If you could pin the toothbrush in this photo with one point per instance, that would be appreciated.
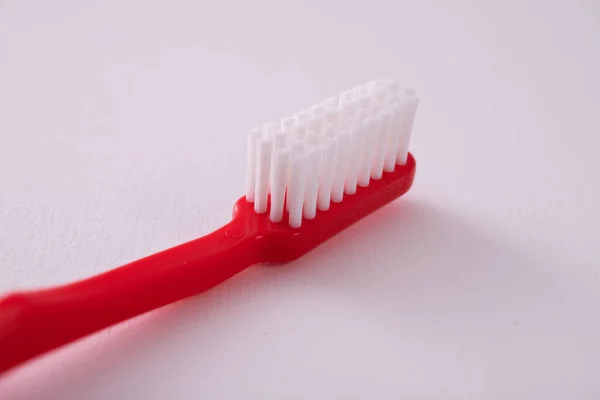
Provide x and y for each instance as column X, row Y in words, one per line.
column 309, row 176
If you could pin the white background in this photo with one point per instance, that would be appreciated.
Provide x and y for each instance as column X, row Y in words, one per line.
column 122, row 132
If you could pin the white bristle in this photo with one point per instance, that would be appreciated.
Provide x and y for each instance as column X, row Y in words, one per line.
column 329, row 150
column 315, row 124
column 371, row 85
column 326, row 174
column 263, row 167
column 364, row 102
column 332, row 117
column 271, row 128
column 279, row 177
column 302, row 117
column 378, row 91
column 299, row 132
column 296, row 150
column 381, row 143
column 295, row 193
column 312, row 182
column 364, row 172
column 357, row 139
column 279, row 140
column 318, row 110
column 379, row 96
column 330, row 131
column 409, row 110
column 253, row 138
column 362, row 115
column 331, row 103
column 341, row 165
column 395, row 99
column 393, row 93
column 395, row 129
column 348, row 110
column 313, row 139
column 287, row 123
column 351, row 123
column 346, row 97
column 359, row 91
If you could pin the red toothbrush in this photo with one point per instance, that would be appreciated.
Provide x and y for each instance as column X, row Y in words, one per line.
column 309, row 177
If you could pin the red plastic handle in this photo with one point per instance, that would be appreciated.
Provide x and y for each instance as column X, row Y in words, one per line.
column 32, row 323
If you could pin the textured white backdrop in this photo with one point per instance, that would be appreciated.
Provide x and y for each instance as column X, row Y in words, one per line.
column 122, row 132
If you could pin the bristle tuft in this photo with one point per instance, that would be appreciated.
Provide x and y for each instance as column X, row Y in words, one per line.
column 279, row 175
column 320, row 154
column 253, row 138
column 263, row 167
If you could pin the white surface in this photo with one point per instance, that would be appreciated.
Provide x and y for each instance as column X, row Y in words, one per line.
column 123, row 131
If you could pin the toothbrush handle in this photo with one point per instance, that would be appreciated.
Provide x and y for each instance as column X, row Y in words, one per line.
column 34, row 322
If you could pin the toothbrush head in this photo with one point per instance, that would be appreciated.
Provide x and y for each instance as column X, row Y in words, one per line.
column 313, row 175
